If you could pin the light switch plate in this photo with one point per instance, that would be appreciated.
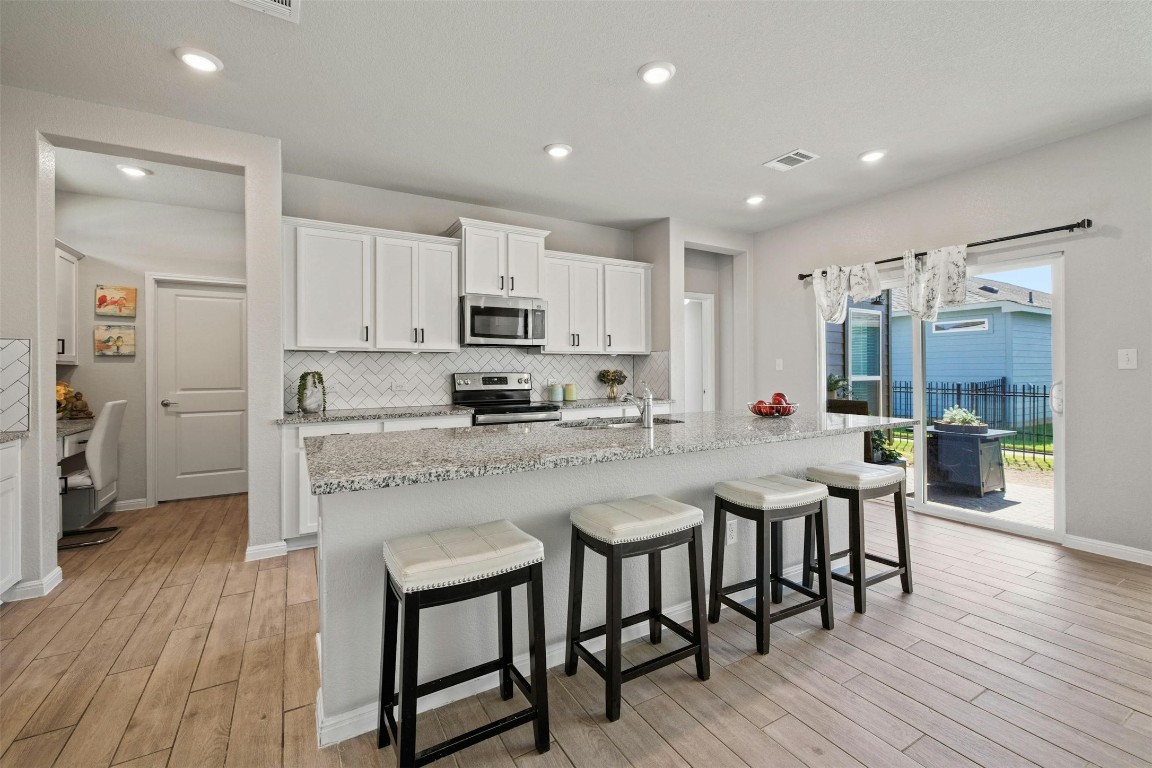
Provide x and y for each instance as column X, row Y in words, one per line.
column 779, row 363
column 1126, row 359
column 399, row 386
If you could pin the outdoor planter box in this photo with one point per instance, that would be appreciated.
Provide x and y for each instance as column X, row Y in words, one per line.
column 965, row 429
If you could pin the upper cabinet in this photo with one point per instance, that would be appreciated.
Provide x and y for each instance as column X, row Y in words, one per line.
column 597, row 305
column 500, row 260
column 358, row 288
column 67, row 267
column 627, row 309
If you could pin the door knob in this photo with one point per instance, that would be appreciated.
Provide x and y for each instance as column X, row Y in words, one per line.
column 167, row 403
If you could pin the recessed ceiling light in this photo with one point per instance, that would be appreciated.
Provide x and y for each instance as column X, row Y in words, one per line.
column 134, row 171
column 755, row 200
column 657, row 72
column 873, row 155
column 558, row 150
column 201, row 61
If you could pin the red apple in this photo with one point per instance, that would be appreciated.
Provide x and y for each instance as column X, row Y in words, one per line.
column 779, row 399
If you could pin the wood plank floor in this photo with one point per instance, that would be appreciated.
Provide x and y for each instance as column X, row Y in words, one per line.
column 164, row 648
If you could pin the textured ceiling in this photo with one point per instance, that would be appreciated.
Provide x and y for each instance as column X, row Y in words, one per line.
column 455, row 100
column 90, row 173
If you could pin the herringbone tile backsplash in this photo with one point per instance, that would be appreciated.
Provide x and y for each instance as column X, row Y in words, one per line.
column 367, row 379
column 15, row 363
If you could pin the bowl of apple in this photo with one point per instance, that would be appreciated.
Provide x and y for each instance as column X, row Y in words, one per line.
column 774, row 408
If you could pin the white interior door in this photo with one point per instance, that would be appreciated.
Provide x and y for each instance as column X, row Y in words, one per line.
column 699, row 353
column 201, row 373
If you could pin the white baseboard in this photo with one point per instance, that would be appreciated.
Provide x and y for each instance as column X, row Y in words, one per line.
column 265, row 551
column 347, row 725
column 309, row 541
column 26, row 590
column 130, row 504
column 1108, row 549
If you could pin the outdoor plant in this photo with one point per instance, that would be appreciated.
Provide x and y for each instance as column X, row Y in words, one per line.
column 309, row 383
column 884, row 447
column 958, row 415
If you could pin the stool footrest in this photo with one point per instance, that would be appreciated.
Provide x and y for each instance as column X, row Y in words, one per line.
column 737, row 606
column 456, row 678
column 475, row 736
column 639, row 670
column 845, row 576
column 738, row 587
column 882, row 560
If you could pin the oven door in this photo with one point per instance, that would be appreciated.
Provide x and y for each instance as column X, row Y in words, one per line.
column 500, row 321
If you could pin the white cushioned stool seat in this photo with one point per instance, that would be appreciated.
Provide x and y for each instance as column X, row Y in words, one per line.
column 856, row 475
column 458, row 555
column 635, row 519
column 771, row 492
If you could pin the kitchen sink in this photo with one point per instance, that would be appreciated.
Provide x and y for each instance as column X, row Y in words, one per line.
column 617, row 422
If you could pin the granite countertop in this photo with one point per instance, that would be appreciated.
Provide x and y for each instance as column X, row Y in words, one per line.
column 595, row 402
column 342, row 463
column 66, row 427
column 8, row 437
column 373, row 414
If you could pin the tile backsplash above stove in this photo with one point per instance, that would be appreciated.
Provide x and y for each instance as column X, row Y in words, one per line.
column 387, row 379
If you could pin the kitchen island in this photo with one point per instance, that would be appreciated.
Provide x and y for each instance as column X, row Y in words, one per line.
column 373, row 487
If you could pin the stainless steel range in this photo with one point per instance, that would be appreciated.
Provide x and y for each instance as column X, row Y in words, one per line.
column 500, row 398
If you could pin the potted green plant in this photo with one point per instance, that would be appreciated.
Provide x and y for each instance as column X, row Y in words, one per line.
column 957, row 419
column 311, row 395
column 883, row 450
column 613, row 379
column 835, row 385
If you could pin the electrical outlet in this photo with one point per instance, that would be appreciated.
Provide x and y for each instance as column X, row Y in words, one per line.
column 779, row 363
column 731, row 538
column 399, row 386
column 1126, row 359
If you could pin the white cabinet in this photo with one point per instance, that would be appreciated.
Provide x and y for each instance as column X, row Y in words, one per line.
column 626, row 310
column 573, row 290
column 333, row 289
column 359, row 288
column 300, row 509
column 500, row 260
column 9, row 514
column 66, row 277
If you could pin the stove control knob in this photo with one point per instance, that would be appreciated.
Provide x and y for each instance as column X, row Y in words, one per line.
column 467, row 381
column 459, row 382
column 521, row 381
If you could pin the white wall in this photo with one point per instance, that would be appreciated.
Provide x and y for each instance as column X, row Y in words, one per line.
column 121, row 240
column 344, row 203
column 1106, row 176
column 33, row 123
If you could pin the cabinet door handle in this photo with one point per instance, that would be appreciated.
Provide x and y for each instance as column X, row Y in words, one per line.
column 577, row 339
column 571, row 339
column 501, row 282
column 609, row 339
column 415, row 336
column 512, row 283
column 421, row 335
column 60, row 346
column 365, row 333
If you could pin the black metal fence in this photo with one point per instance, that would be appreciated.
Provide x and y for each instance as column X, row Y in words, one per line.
column 1020, row 407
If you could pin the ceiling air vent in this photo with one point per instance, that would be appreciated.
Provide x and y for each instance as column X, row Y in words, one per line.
column 289, row 10
column 786, row 162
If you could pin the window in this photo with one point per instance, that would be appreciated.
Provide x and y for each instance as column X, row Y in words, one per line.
column 960, row 326
column 865, row 357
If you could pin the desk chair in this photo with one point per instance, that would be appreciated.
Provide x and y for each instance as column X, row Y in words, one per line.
column 95, row 485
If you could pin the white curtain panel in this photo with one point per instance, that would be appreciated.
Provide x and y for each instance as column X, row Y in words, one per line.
column 833, row 285
column 937, row 278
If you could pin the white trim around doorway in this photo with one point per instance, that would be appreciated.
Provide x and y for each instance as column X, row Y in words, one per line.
column 152, row 283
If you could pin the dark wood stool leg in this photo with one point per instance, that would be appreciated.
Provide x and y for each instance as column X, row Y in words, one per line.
column 388, row 664
column 806, row 566
column 655, row 597
column 504, row 607
column 763, row 580
column 719, row 533
column 409, row 659
column 613, row 628
column 904, row 553
column 777, row 558
column 696, row 579
column 822, row 551
column 575, row 596
column 856, row 555
column 538, row 656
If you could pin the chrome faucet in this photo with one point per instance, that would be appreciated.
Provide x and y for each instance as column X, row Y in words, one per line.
column 644, row 406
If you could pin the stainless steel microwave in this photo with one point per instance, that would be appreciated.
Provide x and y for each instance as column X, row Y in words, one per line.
column 502, row 321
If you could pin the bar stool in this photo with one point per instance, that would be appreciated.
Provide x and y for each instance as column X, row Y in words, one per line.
column 858, row 481
column 769, row 501
column 644, row 525
column 450, row 566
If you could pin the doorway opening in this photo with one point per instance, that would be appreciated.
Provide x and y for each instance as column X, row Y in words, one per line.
column 699, row 352
column 709, row 339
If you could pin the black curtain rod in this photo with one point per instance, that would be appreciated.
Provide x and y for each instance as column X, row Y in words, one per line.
column 1082, row 224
